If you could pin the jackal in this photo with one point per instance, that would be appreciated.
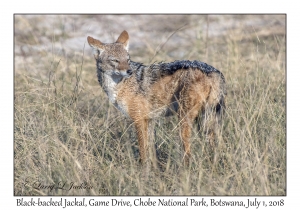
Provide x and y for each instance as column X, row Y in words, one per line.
column 145, row 92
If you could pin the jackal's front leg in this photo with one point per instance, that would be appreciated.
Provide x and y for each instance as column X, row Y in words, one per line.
column 141, row 127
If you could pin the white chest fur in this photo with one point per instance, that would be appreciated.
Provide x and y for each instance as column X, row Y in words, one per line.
column 111, row 88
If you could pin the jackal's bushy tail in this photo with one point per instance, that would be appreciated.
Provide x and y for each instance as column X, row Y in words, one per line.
column 221, row 93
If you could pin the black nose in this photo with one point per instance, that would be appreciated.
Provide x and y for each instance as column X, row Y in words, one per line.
column 129, row 72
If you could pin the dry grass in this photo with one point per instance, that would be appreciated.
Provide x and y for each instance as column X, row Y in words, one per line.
column 67, row 131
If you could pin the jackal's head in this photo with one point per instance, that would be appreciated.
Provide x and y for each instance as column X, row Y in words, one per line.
column 113, row 58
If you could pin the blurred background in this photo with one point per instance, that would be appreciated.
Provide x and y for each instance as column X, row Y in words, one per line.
column 152, row 37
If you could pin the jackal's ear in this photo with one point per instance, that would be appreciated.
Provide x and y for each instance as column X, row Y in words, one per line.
column 124, row 39
column 94, row 42
column 96, row 45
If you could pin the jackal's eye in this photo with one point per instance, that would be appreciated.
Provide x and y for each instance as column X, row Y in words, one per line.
column 114, row 60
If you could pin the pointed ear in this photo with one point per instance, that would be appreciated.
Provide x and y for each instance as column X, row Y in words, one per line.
column 124, row 39
column 94, row 42
column 96, row 45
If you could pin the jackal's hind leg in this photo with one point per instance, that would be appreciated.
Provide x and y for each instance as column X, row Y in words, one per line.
column 187, row 117
column 211, row 125
column 185, row 137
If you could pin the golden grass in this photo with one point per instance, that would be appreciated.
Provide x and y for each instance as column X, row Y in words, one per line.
column 65, row 130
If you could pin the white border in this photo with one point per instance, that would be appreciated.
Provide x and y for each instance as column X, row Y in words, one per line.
column 154, row 6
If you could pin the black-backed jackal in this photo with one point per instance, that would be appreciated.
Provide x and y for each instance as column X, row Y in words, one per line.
column 145, row 92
